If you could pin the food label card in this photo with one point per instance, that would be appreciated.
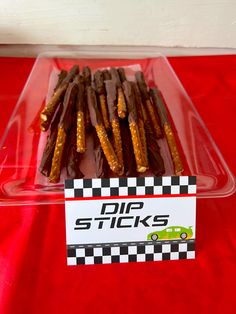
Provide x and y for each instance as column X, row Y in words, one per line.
column 121, row 220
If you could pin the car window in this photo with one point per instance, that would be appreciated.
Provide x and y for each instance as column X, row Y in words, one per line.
column 169, row 230
column 177, row 229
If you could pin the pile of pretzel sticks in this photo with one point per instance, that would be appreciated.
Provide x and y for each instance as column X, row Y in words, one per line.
column 125, row 118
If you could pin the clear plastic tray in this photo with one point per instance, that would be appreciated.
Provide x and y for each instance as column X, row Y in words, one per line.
column 22, row 143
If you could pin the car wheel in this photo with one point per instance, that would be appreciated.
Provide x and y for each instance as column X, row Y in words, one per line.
column 154, row 237
column 183, row 235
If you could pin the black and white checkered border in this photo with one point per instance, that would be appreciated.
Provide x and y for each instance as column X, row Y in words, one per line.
column 130, row 186
column 172, row 250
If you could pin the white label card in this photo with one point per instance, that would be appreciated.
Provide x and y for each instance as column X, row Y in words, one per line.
column 130, row 219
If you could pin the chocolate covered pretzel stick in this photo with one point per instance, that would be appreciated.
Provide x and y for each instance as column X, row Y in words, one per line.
column 106, row 75
column 35, row 124
column 148, row 105
column 133, row 126
column 87, row 82
column 102, row 167
column 80, row 115
column 155, row 160
column 114, row 120
column 127, row 147
column 140, row 121
column 61, row 76
column 157, row 100
column 48, row 112
column 73, row 157
column 63, row 129
column 121, row 105
column 96, row 121
column 100, row 89
column 87, row 76
column 46, row 161
column 153, row 150
column 122, row 76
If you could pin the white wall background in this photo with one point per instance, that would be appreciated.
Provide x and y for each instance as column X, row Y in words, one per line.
column 173, row 23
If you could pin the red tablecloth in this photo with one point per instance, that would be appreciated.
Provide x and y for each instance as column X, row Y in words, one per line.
column 34, row 277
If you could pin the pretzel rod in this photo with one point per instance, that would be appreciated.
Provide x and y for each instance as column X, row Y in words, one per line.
column 140, row 121
column 108, row 150
column 155, row 160
column 103, row 106
column 57, row 156
column 140, row 105
column 127, row 148
column 48, row 112
column 153, row 150
column 80, row 132
column 173, row 149
column 121, row 72
column 121, row 105
column 63, row 129
column 106, row 75
column 102, row 167
column 137, row 145
column 157, row 100
column 134, row 129
column 35, row 124
column 61, row 76
column 117, row 142
column 114, row 120
column 87, row 82
column 80, row 121
column 73, row 161
column 46, row 161
column 100, row 89
column 99, row 82
column 73, row 157
column 96, row 121
column 153, row 117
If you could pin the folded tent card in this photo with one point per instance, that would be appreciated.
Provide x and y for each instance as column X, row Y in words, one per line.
column 139, row 219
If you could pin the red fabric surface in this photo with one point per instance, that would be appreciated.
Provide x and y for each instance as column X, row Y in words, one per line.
column 34, row 277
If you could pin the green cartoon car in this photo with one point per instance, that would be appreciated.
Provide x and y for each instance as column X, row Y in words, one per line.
column 174, row 232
